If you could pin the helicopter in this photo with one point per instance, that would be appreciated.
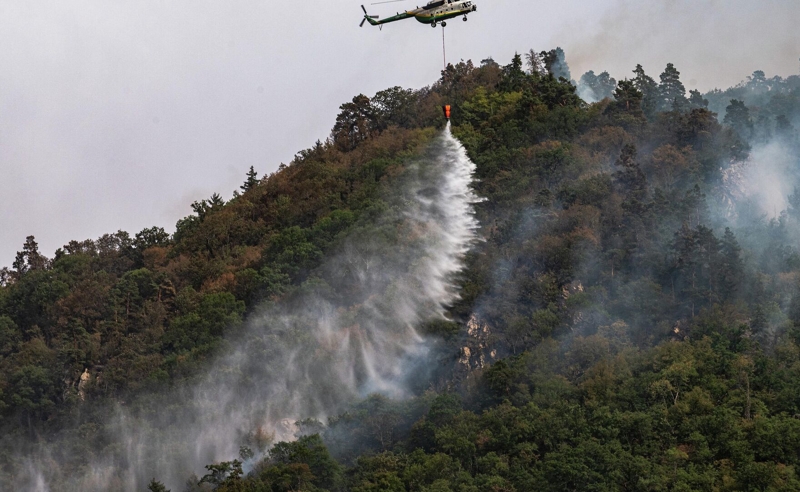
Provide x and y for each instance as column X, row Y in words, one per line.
column 434, row 13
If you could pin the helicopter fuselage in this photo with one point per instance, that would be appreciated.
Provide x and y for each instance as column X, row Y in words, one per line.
column 443, row 10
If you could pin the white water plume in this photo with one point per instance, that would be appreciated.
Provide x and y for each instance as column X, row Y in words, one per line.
column 349, row 332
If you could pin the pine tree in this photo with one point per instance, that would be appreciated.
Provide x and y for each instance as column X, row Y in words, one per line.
column 628, row 97
column 630, row 179
column 605, row 85
column 513, row 74
column 535, row 63
column 355, row 123
column 156, row 486
column 632, row 184
column 672, row 93
column 29, row 258
column 696, row 100
column 737, row 115
column 708, row 257
column 683, row 251
column 731, row 267
column 204, row 207
column 251, row 181
column 757, row 83
column 759, row 323
column 649, row 89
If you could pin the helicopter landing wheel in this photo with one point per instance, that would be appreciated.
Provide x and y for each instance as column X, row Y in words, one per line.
column 433, row 24
column 465, row 18
column 444, row 24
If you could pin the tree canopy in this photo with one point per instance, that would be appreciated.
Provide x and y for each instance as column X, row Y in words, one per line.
column 627, row 322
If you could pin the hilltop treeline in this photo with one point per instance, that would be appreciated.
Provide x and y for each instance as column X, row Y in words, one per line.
column 640, row 327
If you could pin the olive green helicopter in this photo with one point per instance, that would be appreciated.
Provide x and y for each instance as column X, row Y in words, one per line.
column 434, row 13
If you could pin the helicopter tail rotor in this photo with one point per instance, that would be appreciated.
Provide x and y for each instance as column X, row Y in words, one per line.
column 367, row 17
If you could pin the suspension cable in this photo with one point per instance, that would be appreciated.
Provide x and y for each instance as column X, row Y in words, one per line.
column 444, row 51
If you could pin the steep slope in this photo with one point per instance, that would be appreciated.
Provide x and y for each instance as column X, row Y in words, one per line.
column 625, row 323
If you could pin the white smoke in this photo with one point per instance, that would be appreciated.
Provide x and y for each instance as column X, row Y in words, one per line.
column 765, row 180
column 350, row 333
column 587, row 93
column 770, row 177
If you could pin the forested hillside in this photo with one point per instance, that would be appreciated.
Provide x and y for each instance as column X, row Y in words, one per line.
column 630, row 319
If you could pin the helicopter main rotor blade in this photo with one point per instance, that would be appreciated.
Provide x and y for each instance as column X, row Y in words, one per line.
column 389, row 1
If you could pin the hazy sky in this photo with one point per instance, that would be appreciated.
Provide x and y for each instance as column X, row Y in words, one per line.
column 118, row 114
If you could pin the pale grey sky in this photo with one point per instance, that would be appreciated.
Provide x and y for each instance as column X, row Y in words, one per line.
column 118, row 114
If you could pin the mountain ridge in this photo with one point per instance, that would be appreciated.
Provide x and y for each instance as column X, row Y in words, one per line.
column 632, row 333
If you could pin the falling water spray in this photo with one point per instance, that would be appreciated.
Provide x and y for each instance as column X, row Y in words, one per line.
column 349, row 332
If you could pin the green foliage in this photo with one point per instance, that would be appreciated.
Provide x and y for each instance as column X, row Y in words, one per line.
column 737, row 115
column 649, row 89
column 10, row 336
column 204, row 324
column 156, row 486
column 225, row 476
column 672, row 93
column 355, row 123
column 442, row 329
column 312, row 452
column 614, row 332
column 251, row 181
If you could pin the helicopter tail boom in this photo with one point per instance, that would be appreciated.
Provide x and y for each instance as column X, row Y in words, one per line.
column 368, row 18
column 372, row 19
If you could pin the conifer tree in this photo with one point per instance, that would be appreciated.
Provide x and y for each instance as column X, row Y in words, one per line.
column 759, row 322
column 513, row 75
column 757, row 83
column 203, row 207
column 737, row 115
column 672, row 93
column 251, row 181
column 355, row 123
column 628, row 98
column 731, row 268
column 156, row 486
column 535, row 63
column 29, row 258
column 696, row 100
column 631, row 179
column 649, row 89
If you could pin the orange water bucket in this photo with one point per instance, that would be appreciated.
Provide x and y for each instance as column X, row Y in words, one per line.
column 446, row 110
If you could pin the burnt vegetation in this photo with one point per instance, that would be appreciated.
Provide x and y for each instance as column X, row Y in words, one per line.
column 640, row 332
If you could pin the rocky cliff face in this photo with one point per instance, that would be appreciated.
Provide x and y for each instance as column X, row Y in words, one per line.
column 477, row 350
